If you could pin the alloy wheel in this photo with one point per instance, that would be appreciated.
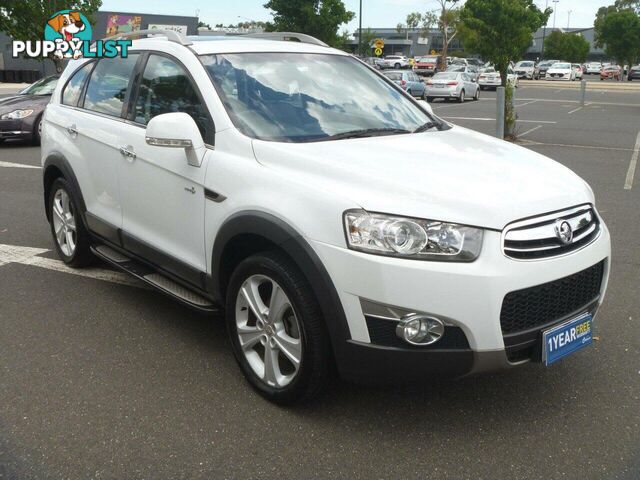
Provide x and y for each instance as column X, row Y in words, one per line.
column 268, row 331
column 64, row 222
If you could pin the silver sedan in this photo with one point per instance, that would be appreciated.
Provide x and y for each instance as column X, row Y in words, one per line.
column 452, row 85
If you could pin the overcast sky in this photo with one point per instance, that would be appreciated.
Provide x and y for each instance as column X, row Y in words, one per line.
column 375, row 13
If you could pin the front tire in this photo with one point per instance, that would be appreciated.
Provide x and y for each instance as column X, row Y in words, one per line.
column 37, row 131
column 276, row 329
column 70, row 237
column 476, row 97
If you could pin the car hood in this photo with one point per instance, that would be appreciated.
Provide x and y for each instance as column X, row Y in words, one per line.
column 455, row 175
column 23, row 102
column 559, row 70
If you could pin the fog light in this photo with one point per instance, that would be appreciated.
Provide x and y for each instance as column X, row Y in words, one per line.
column 420, row 329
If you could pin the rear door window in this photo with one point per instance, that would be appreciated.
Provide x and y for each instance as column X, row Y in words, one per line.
column 108, row 85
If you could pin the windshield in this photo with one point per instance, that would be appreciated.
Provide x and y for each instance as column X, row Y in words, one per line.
column 525, row 64
column 295, row 97
column 445, row 76
column 395, row 76
column 456, row 68
column 561, row 66
column 428, row 59
column 45, row 86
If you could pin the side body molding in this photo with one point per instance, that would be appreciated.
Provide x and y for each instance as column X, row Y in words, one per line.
column 56, row 161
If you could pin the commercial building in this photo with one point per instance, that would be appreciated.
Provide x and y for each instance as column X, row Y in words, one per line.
column 535, row 51
column 107, row 24
column 411, row 42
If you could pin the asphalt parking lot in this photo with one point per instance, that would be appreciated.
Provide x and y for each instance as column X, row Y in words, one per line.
column 101, row 378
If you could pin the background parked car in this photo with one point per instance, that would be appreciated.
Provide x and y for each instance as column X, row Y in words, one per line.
column 561, row 71
column 541, row 69
column 21, row 115
column 395, row 62
column 427, row 66
column 472, row 71
column 634, row 73
column 612, row 71
column 525, row 69
column 577, row 68
column 492, row 79
column 449, row 85
column 593, row 68
column 409, row 81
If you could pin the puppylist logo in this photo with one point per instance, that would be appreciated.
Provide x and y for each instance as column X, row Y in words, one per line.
column 67, row 34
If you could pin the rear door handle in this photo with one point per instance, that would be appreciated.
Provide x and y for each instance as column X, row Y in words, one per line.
column 72, row 130
column 127, row 151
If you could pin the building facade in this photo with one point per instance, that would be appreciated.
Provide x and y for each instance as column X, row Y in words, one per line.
column 409, row 42
column 535, row 50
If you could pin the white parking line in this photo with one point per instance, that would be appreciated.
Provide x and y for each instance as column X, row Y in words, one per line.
column 527, row 103
column 628, row 183
column 531, row 143
column 479, row 119
column 530, row 131
column 575, row 110
column 17, row 165
column 29, row 256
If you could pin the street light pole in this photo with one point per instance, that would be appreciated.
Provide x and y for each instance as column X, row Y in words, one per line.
column 569, row 18
column 544, row 32
column 555, row 9
column 360, row 30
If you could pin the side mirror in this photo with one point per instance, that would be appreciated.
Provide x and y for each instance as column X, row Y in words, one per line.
column 426, row 106
column 177, row 130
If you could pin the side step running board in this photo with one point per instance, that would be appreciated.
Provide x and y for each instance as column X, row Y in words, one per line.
column 154, row 278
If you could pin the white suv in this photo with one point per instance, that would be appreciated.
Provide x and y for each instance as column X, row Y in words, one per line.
column 337, row 227
column 396, row 62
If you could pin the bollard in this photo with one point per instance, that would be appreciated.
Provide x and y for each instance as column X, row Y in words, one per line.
column 583, row 92
column 500, row 113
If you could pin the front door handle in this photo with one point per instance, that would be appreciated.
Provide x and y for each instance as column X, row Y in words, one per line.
column 72, row 130
column 127, row 151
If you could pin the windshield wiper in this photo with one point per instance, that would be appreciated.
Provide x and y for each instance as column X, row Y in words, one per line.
column 367, row 132
column 425, row 127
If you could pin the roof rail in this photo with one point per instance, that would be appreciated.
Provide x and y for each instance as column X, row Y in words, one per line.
column 171, row 35
column 287, row 36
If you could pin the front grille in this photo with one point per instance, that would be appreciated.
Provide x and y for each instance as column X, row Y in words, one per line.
column 539, row 237
column 543, row 304
column 382, row 331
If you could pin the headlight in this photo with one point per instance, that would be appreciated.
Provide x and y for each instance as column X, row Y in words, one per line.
column 411, row 238
column 16, row 115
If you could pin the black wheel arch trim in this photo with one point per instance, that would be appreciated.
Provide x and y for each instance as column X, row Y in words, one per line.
column 298, row 249
column 58, row 161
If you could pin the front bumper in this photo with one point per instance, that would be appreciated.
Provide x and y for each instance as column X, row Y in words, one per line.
column 522, row 74
column 467, row 296
column 558, row 78
column 15, row 129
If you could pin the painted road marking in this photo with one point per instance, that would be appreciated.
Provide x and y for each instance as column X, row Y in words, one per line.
column 527, row 103
column 479, row 119
column 30, row 256
column 530, row 131
column 17, row 165
column 628, row 183
column 531, row 143
column 575, row 110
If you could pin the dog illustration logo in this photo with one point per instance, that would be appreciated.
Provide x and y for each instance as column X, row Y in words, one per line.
column 69, row 26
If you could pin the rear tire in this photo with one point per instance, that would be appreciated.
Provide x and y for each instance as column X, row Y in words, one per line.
column 476, row 97
column 272, row 340
column 396, row 66
column 461, row 97
column 430, row 99
column 70, row 237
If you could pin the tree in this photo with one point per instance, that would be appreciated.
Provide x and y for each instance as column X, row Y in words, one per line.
column 368, row 36
column 204, row 25
column 617, row 28
column 26, row 19
column 412, row 22
column 571, row 47
column 447, row 19
column 319, row 18
column 500, row 30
